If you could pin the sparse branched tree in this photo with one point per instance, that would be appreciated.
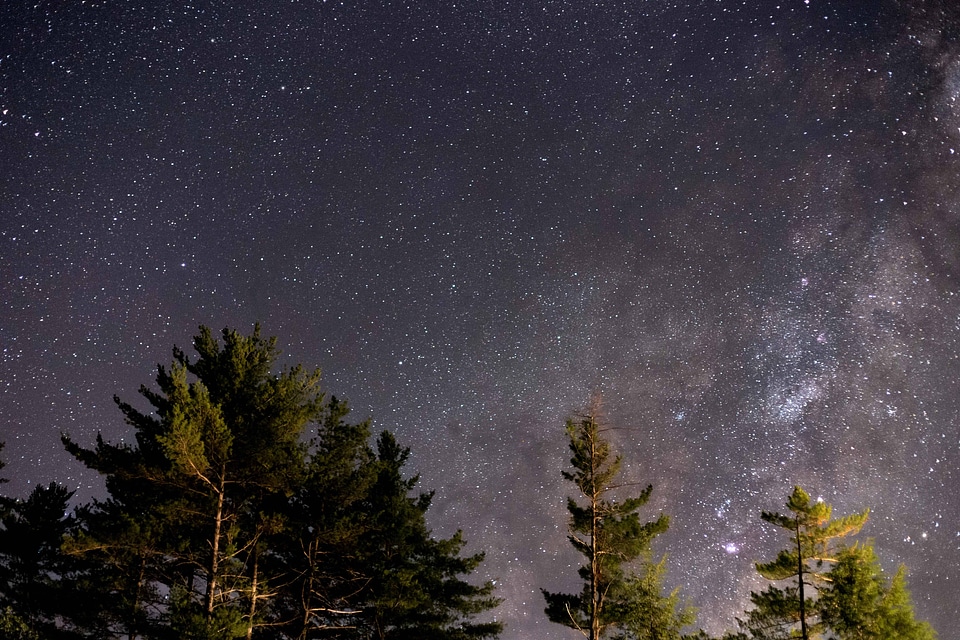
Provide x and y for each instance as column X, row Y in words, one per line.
column 837, row 589
column 622, row 587
column 805, row 563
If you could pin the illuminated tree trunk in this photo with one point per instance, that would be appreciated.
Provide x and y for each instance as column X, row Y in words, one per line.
column 594, row 546
column 215, row 553
column 803, row 603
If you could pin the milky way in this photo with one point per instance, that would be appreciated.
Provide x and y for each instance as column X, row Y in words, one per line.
column 739, row 221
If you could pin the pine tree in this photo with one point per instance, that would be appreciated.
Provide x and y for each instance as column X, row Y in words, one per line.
column 806, row 562
column 12, row 626
column 862, row 603
column 621, row 595
column 362, row 562
column 326, row 524
column 212, row 461
column 897, row 619
column 838, row 590
column 120, row 558
column 35, row 576
column 415, row 589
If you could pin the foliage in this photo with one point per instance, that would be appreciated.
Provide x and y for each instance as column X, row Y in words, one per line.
column 362, row 560
column 227, row 519
column 621, row 595
column 248, row 506
column 33, row 571
column 414, row 589
column 862, row 603
column 838, row 590
column 212, row 457
column 13, row 627
column 779, row 612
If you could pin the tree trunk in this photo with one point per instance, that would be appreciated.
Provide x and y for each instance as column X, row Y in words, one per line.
column 803, row 613
column 132, row 626
column 307, row 597
column 253, row 591
column 215, row 550
column 594, row 546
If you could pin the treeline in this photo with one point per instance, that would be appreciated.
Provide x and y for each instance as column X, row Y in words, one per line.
column 245, row 506
column 823, row 584
column 248, row 506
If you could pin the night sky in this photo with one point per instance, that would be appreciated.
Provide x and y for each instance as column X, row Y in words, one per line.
column 738, row 221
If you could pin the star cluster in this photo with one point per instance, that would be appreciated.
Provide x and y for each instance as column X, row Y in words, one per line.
column 739, row 221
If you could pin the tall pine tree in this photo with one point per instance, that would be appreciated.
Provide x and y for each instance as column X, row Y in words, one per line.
column 622, row 587
column 415, row 590
column 814, row 538
column 326, row 524
column 220, row 450
column 836, row 589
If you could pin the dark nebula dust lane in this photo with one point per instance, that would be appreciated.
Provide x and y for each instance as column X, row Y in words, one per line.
column 739, row 221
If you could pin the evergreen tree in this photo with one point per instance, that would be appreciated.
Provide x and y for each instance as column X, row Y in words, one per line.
column 862, row 603
column 648, row 615
column 224, row 522
column 897, row 619
column 363, row 562
column 35, row 576
column 326, row 524
column 415, row 590
column 778, row 612
column 212, row 462
column 621, row 594
column 12, row 627
column 120, row 558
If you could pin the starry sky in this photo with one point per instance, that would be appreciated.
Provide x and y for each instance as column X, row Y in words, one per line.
column 738, row 221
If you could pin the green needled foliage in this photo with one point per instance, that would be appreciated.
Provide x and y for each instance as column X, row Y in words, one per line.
column 191, row 501
column 319, row 549
column 622, row 592
column 228, row 520
column 362, row 561
column 836, row 590
column 415, row 590
column 34, row 574
column 793, row 611
column 13, row 627
column 863, row 604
